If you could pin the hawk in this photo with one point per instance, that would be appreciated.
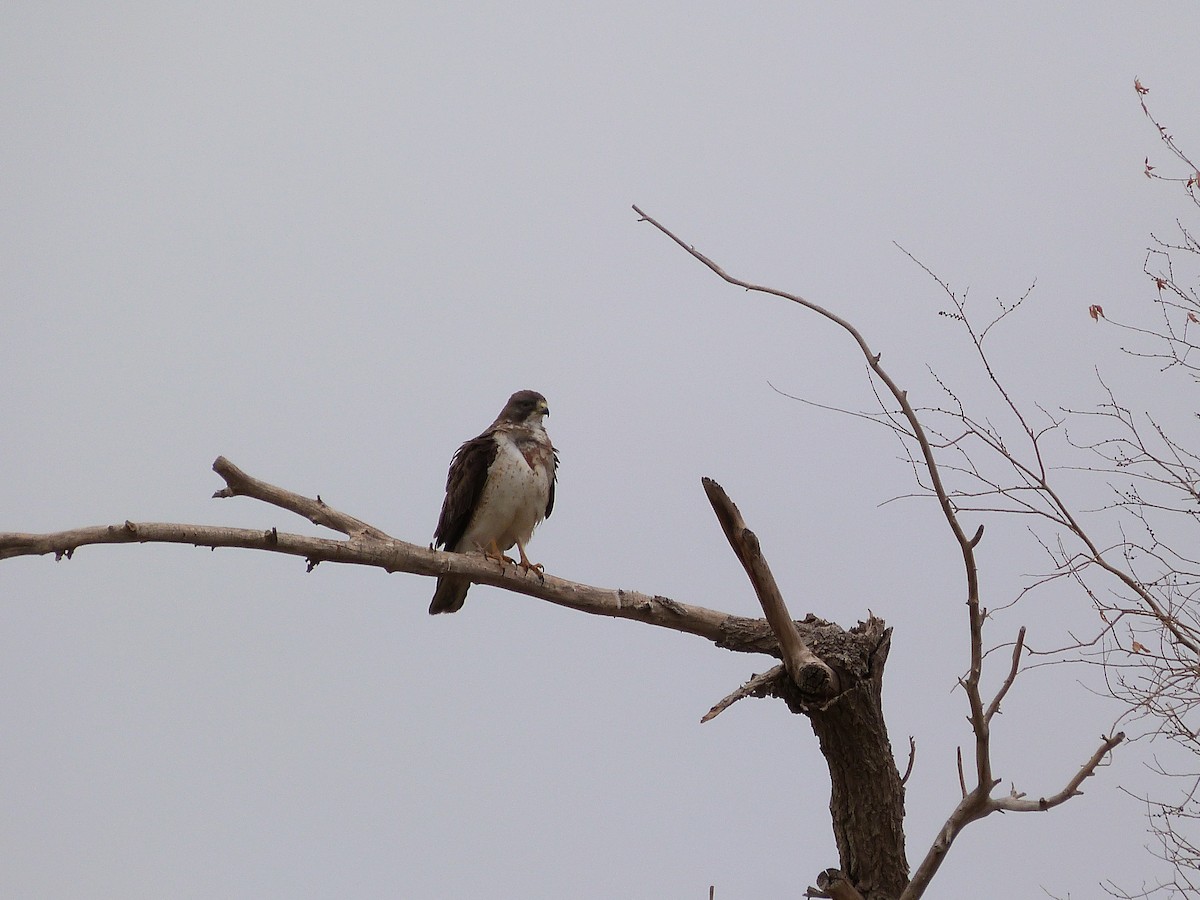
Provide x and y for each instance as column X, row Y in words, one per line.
column 500, row 486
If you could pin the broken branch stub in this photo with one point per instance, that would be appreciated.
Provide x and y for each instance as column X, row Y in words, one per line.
column 810, row 674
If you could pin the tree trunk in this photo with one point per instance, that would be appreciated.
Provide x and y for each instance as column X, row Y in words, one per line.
column 867, row 797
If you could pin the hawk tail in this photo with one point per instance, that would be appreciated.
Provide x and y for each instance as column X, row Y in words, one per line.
column 450, row 595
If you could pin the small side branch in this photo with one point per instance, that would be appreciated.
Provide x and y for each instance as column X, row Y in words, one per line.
column 758, row 686
column 1016, row 802
column 806, row 669
column 239, row 484
column 994, row 706
column 912, row 759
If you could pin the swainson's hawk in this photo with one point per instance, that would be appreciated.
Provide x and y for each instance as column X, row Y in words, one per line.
column 500, row 486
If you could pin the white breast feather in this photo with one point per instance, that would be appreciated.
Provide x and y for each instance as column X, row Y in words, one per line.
column 513, row 501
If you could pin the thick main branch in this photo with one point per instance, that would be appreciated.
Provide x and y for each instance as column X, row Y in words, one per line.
column 370, row 546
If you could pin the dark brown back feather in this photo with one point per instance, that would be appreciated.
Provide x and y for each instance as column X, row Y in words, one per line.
column 464, row 487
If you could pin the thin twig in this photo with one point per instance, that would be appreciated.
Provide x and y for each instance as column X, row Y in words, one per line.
column 994, row 707
column 912, row 758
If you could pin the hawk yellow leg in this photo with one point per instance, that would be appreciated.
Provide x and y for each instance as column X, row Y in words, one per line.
column 493, row 552
column 526, row 565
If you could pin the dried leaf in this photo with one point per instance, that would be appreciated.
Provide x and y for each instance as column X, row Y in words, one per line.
column 1192, row 318
column 1096, row 312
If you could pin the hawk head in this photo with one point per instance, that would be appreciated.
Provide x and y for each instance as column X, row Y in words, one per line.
column 524, row 408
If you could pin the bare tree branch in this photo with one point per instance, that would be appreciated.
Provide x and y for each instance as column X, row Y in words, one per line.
column 912, row 758
column 978, row 803
column 757, row 686
column 239, row 484
column 370, row 546
column 807, row 670
column 1015, row 802
column 994, row 706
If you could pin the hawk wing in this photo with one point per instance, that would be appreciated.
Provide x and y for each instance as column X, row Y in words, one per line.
column 464, row 487
column 553, row 479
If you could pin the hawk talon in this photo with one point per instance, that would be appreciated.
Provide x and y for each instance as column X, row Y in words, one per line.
column 527, row 567
column 494, row 553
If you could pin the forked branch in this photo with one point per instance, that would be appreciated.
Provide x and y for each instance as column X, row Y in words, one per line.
column 239, row 484
column 367, row 545
column 979, row 803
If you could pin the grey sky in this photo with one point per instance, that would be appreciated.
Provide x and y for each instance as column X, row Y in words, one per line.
column 328, row 245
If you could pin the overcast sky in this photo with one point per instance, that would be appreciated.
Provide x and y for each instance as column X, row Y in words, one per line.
column 329, row 244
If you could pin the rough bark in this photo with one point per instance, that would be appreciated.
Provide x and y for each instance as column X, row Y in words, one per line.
column 867, row 797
